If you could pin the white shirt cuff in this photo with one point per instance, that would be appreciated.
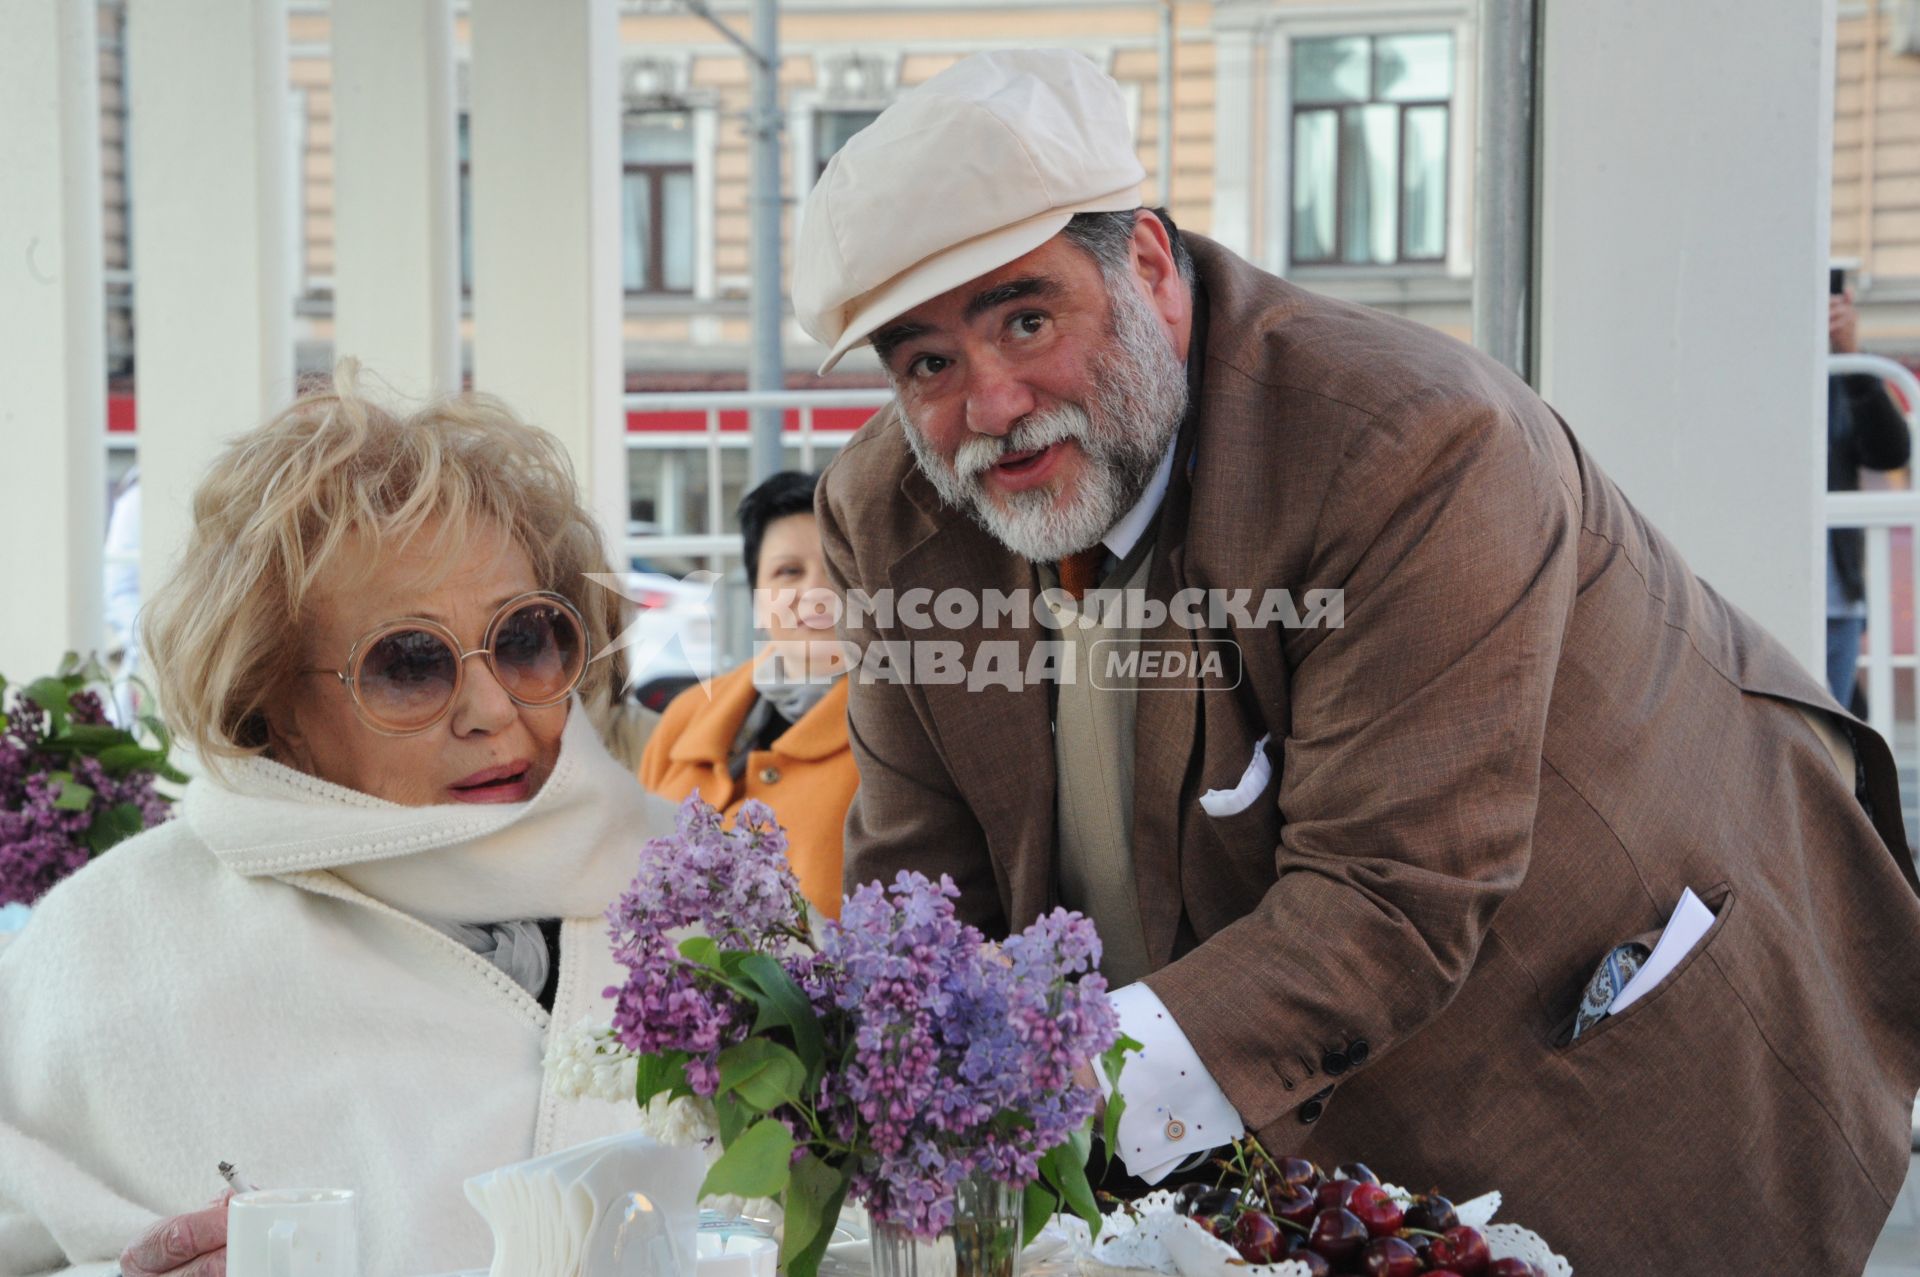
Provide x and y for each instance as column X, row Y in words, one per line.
column 1175, row 1111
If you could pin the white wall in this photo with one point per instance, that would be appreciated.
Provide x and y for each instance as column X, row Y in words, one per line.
column 1685, row 163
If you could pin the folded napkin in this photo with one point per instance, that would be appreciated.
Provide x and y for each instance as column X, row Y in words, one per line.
column 614, row 1207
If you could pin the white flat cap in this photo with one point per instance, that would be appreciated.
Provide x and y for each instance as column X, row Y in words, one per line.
column 979, row 166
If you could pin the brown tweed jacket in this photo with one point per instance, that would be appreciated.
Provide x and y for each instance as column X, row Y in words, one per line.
column 1535, row 727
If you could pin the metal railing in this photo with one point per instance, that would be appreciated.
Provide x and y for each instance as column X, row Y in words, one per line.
column 1879, row 515
column 715, row 547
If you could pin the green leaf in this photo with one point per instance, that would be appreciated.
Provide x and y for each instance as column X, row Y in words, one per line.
column 73, row 795
column 1112, row 1061
column 116, row 824
column 663, row 1072
column 1037, row 1207
column 91, row 738
column 52, row 695
column 782, row 1002
column 815, row 1194
column 762, row 1073
column 755, row 1165
column 1065, row 1168
column 702, row 951
column 121, row 759
column 732, row 1116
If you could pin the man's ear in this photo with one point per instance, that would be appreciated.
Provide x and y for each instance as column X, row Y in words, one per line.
column 1159, row 275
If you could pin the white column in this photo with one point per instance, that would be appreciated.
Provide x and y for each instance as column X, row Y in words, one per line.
column 1235, row 166
column 396, row 192
column 53, row 380
column 544, row 153
column 1683, row 248
column 213, row 314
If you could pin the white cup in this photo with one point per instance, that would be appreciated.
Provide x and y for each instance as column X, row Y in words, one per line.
column 293, row 1232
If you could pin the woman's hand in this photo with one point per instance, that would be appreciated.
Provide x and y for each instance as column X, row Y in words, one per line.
column 190, row 1245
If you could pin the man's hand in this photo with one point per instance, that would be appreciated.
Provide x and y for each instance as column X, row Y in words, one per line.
column 1843, row 324
column 190, row 1245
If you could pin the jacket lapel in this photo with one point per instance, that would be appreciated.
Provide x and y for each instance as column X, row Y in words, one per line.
column 1163, row 731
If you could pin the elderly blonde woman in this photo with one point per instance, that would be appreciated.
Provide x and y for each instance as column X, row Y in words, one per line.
column 342, row 963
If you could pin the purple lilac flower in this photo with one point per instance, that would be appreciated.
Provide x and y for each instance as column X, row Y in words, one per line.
column 732, row 884
column 948, row 1037
column 948, row 1058
column 39, row 843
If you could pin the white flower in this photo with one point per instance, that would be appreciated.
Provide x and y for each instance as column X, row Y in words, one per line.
column 686, row 1122
column 588, row 1062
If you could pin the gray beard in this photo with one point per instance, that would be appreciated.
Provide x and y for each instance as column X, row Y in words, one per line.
column 1138, row 401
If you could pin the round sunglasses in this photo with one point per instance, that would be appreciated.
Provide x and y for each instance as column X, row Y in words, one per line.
column 405, row 675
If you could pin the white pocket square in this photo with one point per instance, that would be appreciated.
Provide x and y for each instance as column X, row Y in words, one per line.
column 1253, row 783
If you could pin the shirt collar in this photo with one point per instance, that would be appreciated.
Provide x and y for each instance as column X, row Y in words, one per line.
column 1124, row 535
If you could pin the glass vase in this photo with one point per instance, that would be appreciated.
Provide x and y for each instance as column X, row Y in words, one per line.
column 983, row 1242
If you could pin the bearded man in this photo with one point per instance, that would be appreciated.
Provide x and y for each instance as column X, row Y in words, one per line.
column 1375, row 877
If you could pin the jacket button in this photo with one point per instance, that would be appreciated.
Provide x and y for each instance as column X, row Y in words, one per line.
column 769, row 775
column 1357, row 1052
column 1310, row 1112
column 1335, row 1062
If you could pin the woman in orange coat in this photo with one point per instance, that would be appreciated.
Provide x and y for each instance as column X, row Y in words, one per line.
column 775, row 728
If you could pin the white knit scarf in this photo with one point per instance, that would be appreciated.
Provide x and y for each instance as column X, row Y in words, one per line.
column 567, row 852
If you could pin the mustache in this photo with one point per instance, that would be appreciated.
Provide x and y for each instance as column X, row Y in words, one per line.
column 1041, row 430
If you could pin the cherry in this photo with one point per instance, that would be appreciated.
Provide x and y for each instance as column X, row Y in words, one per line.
column 1295, row 1205
column 1334, row 1194
column 1359, row 1171
column 1338, row 1235
column 1316, row 1264
column 1187, row 1198
column 1464, row 1250
column 1441, row 1272
column 1512, row 1268
column 1216, row 1201
column 1258, row 1238
column 1298, row 1171
column 1433, row 1213
column 1389, row 1257
column 1215, row 1225
column 1378, row 1211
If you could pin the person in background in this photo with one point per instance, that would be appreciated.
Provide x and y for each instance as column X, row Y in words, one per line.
column 774, row 729
column 382, row 901
column 1865, row 431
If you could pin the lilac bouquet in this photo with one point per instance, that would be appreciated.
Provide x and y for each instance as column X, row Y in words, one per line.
column 71, row 783
column 895, row 1055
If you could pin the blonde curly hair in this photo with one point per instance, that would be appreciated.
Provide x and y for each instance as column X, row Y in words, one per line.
column 281, row 503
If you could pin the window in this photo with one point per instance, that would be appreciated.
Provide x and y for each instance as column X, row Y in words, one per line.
column 1370, row 129
column 656, row 195
column 831, row 129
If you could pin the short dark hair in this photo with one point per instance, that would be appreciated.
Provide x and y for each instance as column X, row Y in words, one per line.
column 786, row 493
column 1106, row 237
